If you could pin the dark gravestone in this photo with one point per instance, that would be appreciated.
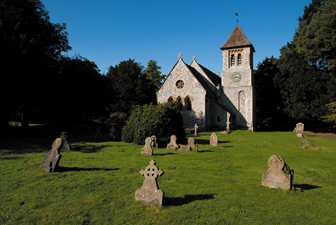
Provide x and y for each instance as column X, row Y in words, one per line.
column 149, row 194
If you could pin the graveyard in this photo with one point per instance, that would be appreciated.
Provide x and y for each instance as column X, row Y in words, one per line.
column 97, row 181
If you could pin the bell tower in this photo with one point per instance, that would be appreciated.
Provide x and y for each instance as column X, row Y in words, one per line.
column 238, row 79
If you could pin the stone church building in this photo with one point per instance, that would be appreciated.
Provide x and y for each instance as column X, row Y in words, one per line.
column 211, row 101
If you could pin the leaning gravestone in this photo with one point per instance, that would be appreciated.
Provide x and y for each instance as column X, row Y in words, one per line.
column 149, row 194
column 299, row 129
column 191, row 144
column 154, row 144
column 53, row 157
column 213, row 139
column 278, row 175
column 172, row 144
column 147, row 150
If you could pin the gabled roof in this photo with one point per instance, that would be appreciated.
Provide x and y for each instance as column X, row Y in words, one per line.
column 212, row 76
column 197, row 75
column 237, row 39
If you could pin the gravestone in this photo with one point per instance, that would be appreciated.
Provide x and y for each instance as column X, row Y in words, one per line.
column 195, row 134
column 213, row 139
column 149, row 194
column 147, row 150
column 172, row 144
column 111, row 135
column 183, row 148
column 299, row 129
column 306, row 143
column 154, row 144
column 278, row 175
column 98, row 133
column 53, row 157
column 191, row 144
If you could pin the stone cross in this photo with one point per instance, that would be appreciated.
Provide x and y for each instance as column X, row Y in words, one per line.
column 172, row 144
column 228, row 125
column 180, row 55
column 154, row 144
column 149, row 194
column 278, row 175
column 214, row 139
column 191, row 144
column 299, row 129
column 195, row 129
column 147, row 150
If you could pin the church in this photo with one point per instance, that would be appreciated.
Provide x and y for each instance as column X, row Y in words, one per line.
column 208, row 100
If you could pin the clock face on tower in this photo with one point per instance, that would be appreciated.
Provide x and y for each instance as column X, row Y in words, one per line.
column 235, row 77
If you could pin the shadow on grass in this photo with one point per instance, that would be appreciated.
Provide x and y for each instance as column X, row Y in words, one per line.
column 207, row 142
column 8, row 158
column 167, row 201
column 306, row 186
column 204, row 151
column 163, row 154
column 86, row 148
column 65, row 169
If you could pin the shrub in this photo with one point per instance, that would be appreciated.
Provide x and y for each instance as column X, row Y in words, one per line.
column 161, row 120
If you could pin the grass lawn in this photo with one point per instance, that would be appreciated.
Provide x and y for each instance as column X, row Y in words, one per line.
column 95, row 184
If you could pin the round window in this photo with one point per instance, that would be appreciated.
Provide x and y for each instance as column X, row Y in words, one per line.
column 179, row 84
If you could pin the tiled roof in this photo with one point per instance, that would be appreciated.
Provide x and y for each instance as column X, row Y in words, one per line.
column 215, row 79
column 237, row 39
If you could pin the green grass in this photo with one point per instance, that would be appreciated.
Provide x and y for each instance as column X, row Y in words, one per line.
column 217, row 185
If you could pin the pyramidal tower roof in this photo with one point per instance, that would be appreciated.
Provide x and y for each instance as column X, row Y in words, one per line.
column 237, row 39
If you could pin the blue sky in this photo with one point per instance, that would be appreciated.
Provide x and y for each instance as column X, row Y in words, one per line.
column 110, row 31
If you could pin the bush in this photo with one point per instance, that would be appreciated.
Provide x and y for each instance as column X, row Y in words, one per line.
column 161, row 120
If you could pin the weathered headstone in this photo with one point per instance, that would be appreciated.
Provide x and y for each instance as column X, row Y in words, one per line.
column 98, row 133
column 53, row 157
column 183, row 148
column 149, row 194
column 111, row 135
column 278, row 175
column 154, row 144
column 299, row 129
column 191, row 144
column 172, row 144
column 147, row 150
column 214, row 139
column 305, row 143
column 195, row 129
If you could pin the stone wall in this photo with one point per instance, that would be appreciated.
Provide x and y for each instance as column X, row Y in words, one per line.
column 191, row 88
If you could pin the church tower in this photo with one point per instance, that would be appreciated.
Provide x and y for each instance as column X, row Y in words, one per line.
column 238, row 80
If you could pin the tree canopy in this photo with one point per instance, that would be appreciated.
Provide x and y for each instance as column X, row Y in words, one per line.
column 153, row 73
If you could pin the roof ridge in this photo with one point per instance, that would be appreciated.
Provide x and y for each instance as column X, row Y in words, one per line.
column 236, row 39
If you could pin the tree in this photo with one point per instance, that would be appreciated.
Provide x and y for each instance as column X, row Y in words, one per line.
column 269, row 107
column 153, row 73
column 315, row 36
column 30, row 46
column 161, row 120
column 306, row 80
column 130, row 86
column 80, row 91
column 331, row 118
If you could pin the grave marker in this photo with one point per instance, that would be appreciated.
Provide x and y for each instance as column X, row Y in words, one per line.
column 172, row 144
column 214, row 139
column 147, row 150
column 278, row 175
column 149, row 194
column 191, row 144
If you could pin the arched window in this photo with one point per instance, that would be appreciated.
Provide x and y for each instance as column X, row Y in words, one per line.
column 171, row 99
column 239, row 59
column 187, row 102
column 179, row 103
column 232, row 60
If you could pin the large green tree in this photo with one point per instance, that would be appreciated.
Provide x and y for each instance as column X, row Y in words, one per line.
column 153, row 72
column 307, row 78
column 30, row 46
column 130, row 86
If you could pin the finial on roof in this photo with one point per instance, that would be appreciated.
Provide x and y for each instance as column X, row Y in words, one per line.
column 237, row 17
column 194, row 57
column 180, row 56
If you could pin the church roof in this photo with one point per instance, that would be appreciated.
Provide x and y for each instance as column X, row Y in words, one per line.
column 198, row 76
column 215, row 79
column 237, row 39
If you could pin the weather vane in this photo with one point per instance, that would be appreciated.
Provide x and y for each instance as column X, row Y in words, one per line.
column 237, row 17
